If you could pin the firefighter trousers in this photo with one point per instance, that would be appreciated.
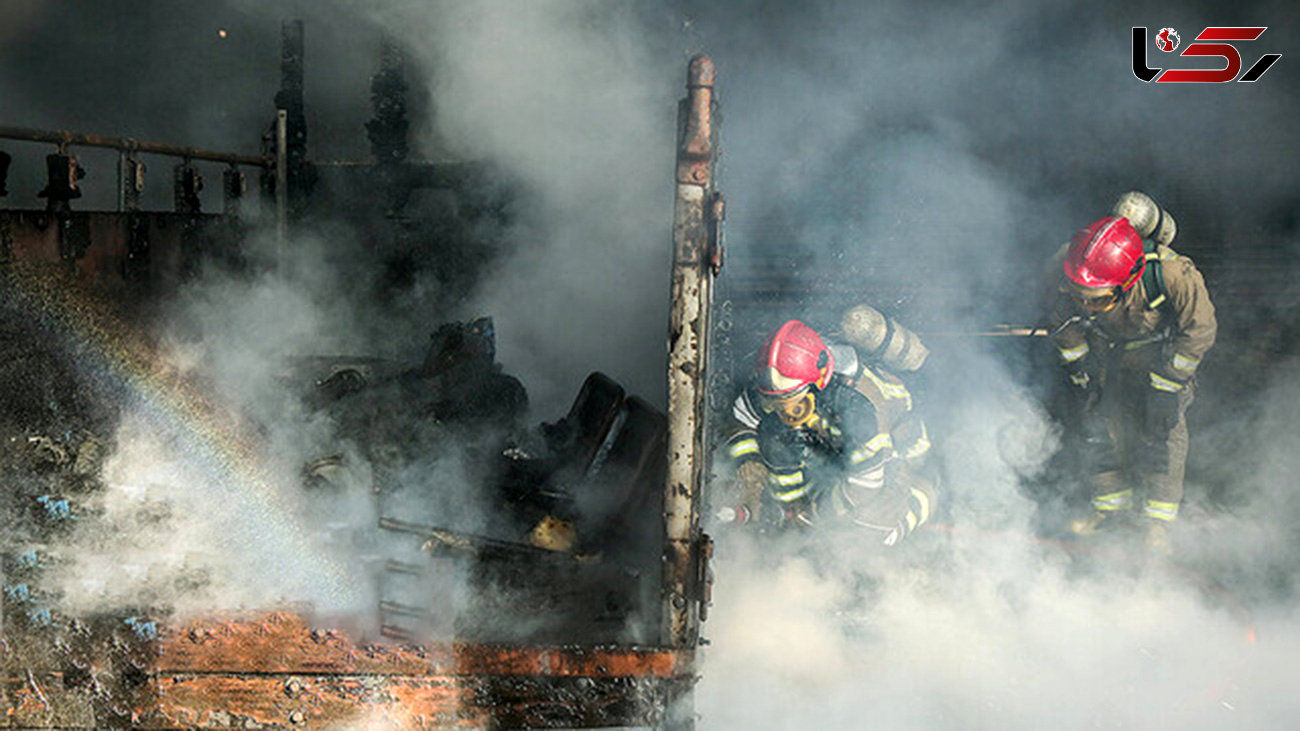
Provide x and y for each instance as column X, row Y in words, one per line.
column 1145, row 467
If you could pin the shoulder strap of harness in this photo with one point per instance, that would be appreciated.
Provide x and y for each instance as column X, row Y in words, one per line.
column 847, row 363
column 1153, row 279
column 879, row 352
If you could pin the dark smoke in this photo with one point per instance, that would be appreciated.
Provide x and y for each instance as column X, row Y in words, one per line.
column 922, row 156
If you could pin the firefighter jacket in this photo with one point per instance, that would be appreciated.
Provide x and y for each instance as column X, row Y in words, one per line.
column 1180, row 321
column 859, row 456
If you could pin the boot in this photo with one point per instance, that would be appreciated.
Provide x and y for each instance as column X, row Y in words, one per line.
column 1157, row 538
column 1088, row 524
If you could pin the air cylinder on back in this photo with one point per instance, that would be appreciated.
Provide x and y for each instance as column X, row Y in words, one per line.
column 877, row 336
column 1150, row 220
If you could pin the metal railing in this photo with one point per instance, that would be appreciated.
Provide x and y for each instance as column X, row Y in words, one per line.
column 128, row 148
column 65, row 139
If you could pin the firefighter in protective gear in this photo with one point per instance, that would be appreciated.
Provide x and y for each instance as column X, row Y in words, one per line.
column 827, row 437
column 1131, row 320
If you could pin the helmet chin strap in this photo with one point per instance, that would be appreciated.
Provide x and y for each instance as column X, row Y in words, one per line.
column 1134, row 275
column 1100, row 303
column 1116, row 293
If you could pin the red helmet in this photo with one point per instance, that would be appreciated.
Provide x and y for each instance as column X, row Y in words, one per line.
column 1106, row 253
column 794, row 359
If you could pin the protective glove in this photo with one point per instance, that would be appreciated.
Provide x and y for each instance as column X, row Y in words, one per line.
column 1086, row 388
column 737, row 514
column 779, row 445
column 800, row 514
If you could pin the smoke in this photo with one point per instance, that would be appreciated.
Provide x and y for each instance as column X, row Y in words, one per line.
column 576, row 290
column 565, row 98
column 996, row 636
column 924, row 158
column 204, row 506
column 928, row 162
column 168, row 535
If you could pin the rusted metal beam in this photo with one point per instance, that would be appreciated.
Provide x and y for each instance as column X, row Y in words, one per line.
column 276, row 670
column 311, row 701
column 694, row 261
column 331, row 702
column 65, row 139
column 285, row 643
column 138, row 249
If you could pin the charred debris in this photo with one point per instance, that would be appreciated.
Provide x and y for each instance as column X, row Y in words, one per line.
column 602, row 600
column 565, row 500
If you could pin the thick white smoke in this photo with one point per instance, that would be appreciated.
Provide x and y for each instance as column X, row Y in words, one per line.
column 204, row 506
column 953, row 152
column 950, row 148
column 1001, row 637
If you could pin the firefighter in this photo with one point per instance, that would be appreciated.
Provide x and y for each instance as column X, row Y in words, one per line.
column 821, row 435
column 1131, row 320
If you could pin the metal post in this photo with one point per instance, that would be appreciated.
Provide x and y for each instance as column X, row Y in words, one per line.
column 694, row 262
column 300, row 176
column 132, row 181
column 187, row 183
column 61, row 186
column 233, row 187
column 387, row 131
column 121, row 180
column 281, row 175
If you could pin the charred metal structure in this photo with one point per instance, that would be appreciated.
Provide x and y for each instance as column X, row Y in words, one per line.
column 614, row 596
column 146, row 249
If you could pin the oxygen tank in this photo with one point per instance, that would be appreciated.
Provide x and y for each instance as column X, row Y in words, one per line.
column 1150, row 220
column 877, row 336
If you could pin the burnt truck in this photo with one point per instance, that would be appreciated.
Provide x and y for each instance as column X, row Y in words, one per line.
column 617, row 610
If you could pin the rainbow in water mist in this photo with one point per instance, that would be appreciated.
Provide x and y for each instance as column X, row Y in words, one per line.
column 127, row 366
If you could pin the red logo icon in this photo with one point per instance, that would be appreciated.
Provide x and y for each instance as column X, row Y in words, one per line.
column 1167, row 40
